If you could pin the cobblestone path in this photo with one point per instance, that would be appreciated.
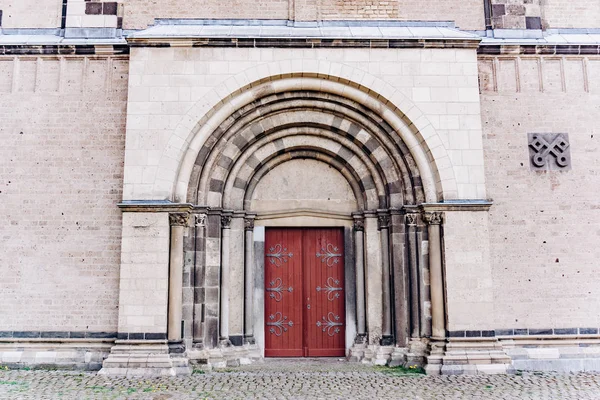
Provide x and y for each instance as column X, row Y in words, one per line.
column 306, row 379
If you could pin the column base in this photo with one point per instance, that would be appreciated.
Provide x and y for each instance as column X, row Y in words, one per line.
column 249, row 340
column 225, row 342
column 147, row 358
column 387, row 341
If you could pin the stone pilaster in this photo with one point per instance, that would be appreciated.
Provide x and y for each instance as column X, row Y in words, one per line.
column 438, row 320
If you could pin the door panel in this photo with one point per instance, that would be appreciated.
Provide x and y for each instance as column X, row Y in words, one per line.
column 324, row 287
column 304, row 292
column 283, row 293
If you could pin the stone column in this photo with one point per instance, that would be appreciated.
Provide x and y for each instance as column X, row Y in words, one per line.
column 359, row 246
column 249, row 281
column 387, row 338
column 178, row 222
column 411, row 222
column 198, row 274
column 224, row 317
column 435, row 220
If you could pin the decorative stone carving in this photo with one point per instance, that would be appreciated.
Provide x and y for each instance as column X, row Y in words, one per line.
column 359, row 225
column 249, row 224
column 434, row 218
column 226, row 221
column 411, row 219
column 200, row 219
column 179, row 219
column 383, row 221
column 549, row 151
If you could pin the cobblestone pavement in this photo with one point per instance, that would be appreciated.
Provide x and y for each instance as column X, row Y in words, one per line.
column 305, row 379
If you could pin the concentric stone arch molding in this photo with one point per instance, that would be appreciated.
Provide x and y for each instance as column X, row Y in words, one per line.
column 195, row 127
column 361, row 184
column 339, row 119
column 295, row 154
column 321, row 142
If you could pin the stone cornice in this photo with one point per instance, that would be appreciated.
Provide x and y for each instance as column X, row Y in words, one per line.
column 466, row 205
column 494, row 49
column 154, row 206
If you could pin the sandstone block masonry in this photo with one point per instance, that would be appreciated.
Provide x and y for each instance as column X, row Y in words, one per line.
column 544, row 226
column 61, row 169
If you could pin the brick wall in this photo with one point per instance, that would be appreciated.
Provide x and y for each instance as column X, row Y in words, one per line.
column 572, row 13
column 31, row 14
column 140, row 13
column 359, row 9
column 61, row 167
column 468, row 14
column 544, row 226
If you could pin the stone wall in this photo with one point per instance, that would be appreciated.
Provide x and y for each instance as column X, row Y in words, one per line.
column 468, row 14
column 61, row 171
column 30, row 14
column 169, row 83
column 138, row 14
column 544, row 226
column 572, row 13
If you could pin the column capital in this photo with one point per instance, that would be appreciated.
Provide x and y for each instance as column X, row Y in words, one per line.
column 383, row 221
column 249, row 223
column 433, row 218
column 179, row 219
column 226, row 221
column 200, row 219
column 411, row 219
column 359, row 224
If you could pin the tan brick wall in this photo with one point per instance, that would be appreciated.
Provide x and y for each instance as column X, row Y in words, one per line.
column 468, row 14
column 141, row 13
column 572, row 13
column 544, row 226
column 61, row 167
column 31, row 14
column 359, row 9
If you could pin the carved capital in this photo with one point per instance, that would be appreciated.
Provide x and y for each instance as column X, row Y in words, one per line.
column 411, row 219
column 179, row 219
column 200, row 219
column 225, row 221
column 383, row 221
column 359, row 225
column 434, row 218
column 249, row 224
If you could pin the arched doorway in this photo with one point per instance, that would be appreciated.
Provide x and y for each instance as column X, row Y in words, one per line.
column 350, row 148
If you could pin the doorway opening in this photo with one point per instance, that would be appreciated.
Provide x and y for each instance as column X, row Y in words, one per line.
column 304, row 292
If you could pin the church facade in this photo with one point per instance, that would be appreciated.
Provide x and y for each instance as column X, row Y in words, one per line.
column 218, row 183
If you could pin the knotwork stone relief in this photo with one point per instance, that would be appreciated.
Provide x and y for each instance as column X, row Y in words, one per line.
column 549, row 151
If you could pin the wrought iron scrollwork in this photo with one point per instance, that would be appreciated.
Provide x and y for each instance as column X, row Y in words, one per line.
column 278, row 255
column 277, row 289
column 279, row 324
column 330, row 324
column 329, row 255
column 331, row 289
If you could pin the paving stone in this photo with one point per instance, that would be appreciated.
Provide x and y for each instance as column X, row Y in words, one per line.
column 298, row 379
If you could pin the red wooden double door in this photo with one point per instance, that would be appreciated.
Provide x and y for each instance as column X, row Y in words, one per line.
column 304, row 292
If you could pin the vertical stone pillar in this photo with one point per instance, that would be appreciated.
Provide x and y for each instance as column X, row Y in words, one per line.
column 411, row 222
column 198, row 280
column 224, row 317
column 249, row 280
column 359, row 246
column 435, row 220
column 387, row 338
column 178, row 222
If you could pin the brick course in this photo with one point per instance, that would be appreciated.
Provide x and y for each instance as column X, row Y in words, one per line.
column 61, row 167
column 543, row 225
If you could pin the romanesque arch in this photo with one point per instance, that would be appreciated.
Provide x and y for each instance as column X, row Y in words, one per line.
column 371, row 144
